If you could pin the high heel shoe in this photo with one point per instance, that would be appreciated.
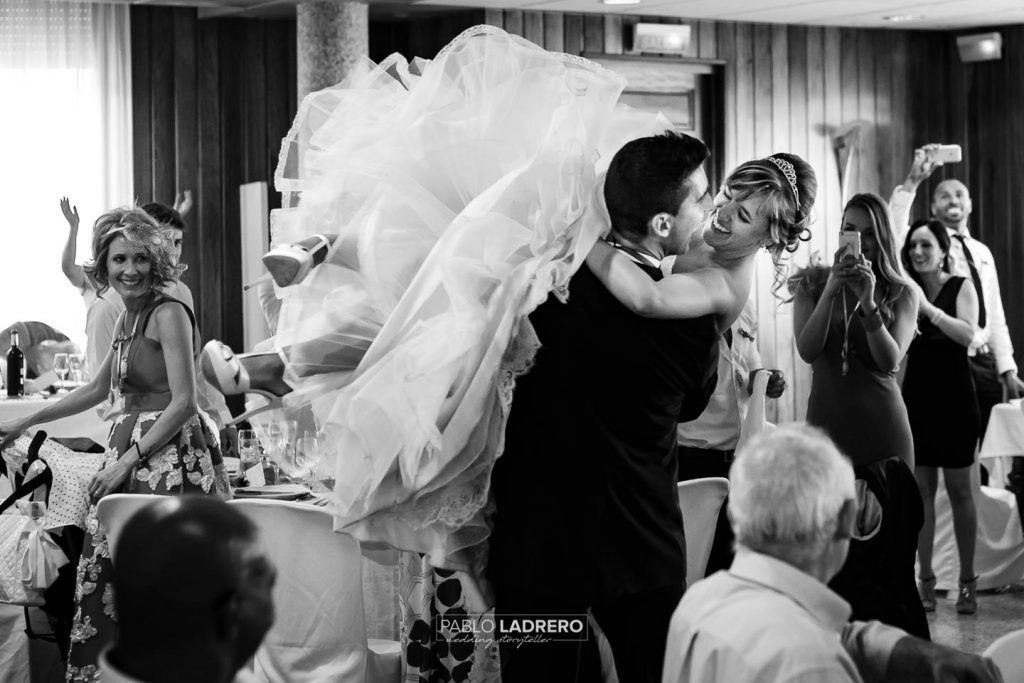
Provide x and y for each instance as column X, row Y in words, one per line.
column 289, row 264
column 926, row 588
column 225, row 370
column 967, row 600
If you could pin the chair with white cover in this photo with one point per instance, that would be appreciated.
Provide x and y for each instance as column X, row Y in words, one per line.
column 700, row 501
column 114, row 510
column 1008, row 654
column 319, row 633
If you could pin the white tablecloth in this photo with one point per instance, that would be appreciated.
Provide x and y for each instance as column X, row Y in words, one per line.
column 1004, row 439
column 86, row 424
column 999, row 550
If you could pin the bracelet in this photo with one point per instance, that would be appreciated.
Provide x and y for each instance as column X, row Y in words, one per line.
column 873, row 322
column 138, row 449
column 934, row 319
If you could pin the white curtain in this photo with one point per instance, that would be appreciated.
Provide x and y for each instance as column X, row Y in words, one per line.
column 65, row 118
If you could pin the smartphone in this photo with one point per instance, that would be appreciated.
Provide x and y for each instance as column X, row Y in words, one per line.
column 849, row 244
column 948, row 154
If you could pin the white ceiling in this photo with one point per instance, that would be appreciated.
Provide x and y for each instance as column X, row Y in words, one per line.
column 922, row 14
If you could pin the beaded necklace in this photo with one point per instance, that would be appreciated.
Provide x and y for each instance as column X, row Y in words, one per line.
column 123, row 346
column 847, row 319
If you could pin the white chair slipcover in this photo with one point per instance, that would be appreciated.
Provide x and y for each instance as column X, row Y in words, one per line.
column 319, row 633
column 700, row 500
column 1008, row 654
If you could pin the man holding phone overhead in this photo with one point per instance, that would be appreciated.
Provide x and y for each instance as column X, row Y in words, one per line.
column 995, row 372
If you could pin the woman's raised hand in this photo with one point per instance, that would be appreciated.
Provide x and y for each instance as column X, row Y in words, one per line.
column 70, row 213
column 860, row 278
column 837, row 275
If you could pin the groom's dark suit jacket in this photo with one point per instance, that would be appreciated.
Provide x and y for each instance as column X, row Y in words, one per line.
column 585, row 491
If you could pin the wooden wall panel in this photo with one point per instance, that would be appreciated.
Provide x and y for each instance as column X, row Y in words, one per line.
column 142, row 139
column 211, row 101
column 782, row 87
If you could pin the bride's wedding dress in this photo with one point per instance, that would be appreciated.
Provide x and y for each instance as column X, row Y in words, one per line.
column 464, row 190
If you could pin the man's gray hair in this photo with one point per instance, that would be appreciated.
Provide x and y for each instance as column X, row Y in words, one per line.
column 787, row 488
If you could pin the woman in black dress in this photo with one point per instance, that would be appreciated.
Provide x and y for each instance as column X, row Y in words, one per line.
column 939, row 393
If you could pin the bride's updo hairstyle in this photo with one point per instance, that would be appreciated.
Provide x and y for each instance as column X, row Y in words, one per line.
column 786, row 186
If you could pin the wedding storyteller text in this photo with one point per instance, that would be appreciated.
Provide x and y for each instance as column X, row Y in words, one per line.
column 516, row 627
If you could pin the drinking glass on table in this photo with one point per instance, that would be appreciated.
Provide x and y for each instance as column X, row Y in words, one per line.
column 273, row 445
column 248, row 449
column 289, row 431
column 61, row 368
column 307, row 450
column 76, row 362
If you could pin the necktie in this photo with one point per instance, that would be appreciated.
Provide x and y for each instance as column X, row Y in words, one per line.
column 975, row 277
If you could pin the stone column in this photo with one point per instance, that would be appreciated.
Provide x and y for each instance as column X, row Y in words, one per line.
column 331, row 36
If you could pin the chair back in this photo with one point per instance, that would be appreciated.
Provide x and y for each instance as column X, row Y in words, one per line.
column 700, row 501
column 115, row 509
column 319, row 631
column 1008, row 654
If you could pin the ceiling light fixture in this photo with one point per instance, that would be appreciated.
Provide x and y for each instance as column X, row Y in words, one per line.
column 903, row 18
column 621, row 2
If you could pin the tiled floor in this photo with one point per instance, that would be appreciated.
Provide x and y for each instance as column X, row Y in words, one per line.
column 998, row 613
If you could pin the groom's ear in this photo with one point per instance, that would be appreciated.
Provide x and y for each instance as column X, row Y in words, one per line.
column 660, row 224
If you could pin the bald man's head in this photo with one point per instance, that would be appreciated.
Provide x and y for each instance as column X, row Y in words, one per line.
column 951, row 204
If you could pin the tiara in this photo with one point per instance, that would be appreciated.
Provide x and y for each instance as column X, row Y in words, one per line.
column 790, row 173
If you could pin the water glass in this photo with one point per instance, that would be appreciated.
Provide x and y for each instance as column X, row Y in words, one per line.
column 307, row 454
column 61, row 367
column 76, row 362
column 248, row 448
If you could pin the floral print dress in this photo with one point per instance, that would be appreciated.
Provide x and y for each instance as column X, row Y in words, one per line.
column 189, row 463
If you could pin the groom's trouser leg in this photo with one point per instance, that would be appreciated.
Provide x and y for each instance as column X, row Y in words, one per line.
column 637, row 629
column 555, row 661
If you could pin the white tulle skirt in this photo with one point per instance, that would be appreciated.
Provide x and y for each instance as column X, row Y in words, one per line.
column 464, row 190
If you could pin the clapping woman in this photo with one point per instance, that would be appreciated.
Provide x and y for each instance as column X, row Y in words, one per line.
column 158, row 444
column 939, row 390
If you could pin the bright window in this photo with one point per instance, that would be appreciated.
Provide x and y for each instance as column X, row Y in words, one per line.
column 65, row 117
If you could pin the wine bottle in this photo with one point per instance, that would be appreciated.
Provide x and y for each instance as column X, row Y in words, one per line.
column 15, row 368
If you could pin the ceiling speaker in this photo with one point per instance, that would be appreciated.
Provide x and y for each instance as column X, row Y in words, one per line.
column 981, row 47
column 664, row 38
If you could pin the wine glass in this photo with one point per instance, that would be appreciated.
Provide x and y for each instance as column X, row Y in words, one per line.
column 248, row 449
column 273, row 443
column 76, row 362
column 307, row 449
column 61, row 367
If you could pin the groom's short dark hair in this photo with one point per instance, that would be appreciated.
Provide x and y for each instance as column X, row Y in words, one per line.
column 646, row 178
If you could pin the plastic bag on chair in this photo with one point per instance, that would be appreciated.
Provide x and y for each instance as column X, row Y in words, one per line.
column 29, row 557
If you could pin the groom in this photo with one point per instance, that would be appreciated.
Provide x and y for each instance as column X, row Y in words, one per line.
column 587, row 514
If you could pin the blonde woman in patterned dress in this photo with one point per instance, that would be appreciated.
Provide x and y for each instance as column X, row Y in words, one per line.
column 159, row 443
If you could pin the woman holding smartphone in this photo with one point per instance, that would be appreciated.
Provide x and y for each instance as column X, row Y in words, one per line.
column 853, row 323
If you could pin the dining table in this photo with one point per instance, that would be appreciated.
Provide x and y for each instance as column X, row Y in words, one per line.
column 85, row 425
column 1004, row 439
column 999, row 543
